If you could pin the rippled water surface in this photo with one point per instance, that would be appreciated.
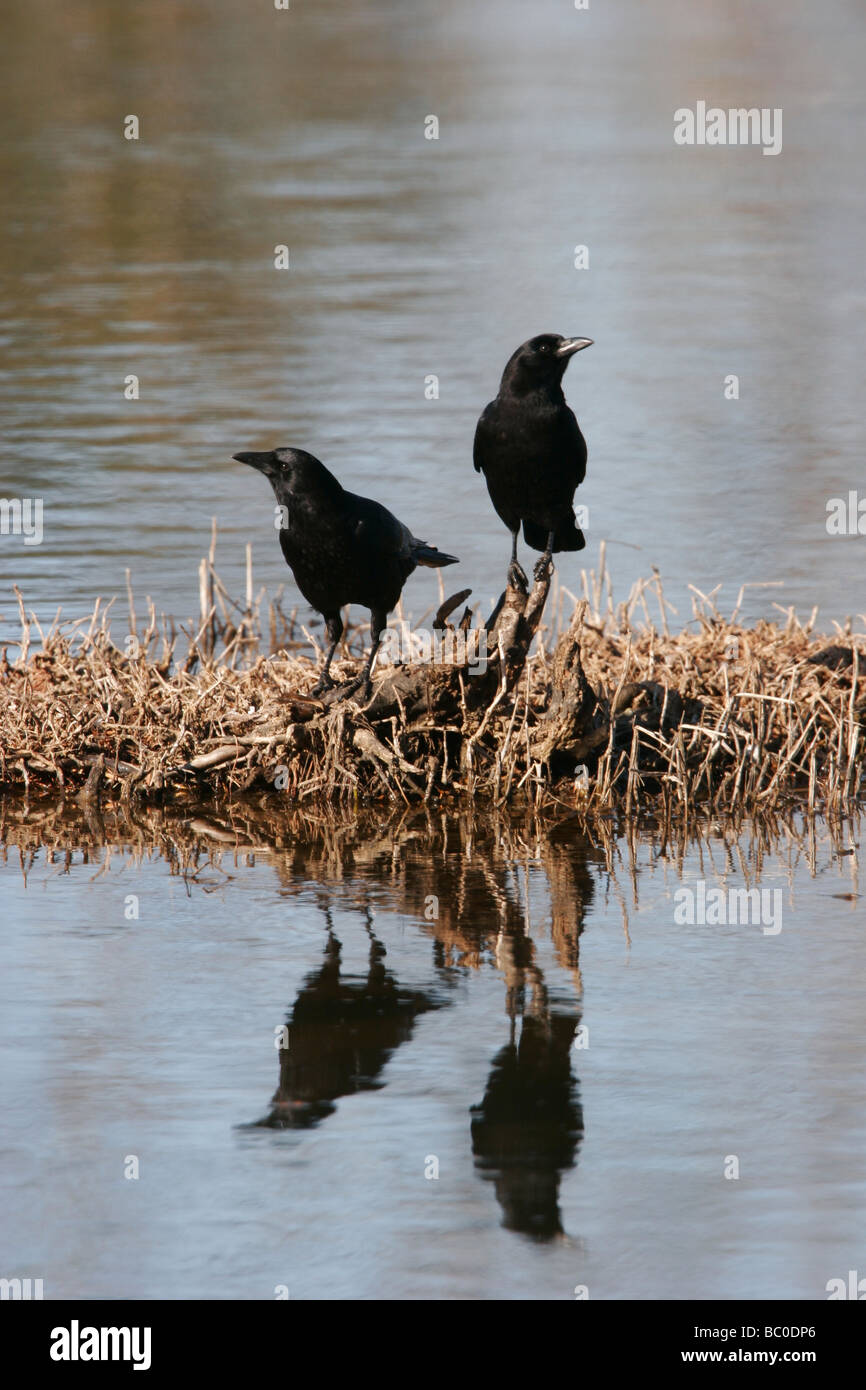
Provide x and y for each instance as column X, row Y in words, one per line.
column 411, row 257
column 510, row 1069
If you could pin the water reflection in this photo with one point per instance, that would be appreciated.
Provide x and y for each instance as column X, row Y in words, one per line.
column 467, row 885
column 340, row 1033
column 527, row 1130
column 342, row 1029
column 499, row 898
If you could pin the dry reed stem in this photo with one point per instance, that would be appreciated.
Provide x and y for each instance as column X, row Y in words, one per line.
column 714, row 715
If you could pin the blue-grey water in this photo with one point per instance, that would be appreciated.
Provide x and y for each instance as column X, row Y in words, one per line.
column 583, row 1071
column 512, row 1069
column 411, row 258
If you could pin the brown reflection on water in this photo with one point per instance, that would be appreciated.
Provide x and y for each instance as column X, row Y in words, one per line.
column 466, row 885
column 469, row 885
column 461, row 884
column 412, row 257
column 158, row 252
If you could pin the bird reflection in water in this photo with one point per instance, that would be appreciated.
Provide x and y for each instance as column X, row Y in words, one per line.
column 341, row 1032
column 527, row 1129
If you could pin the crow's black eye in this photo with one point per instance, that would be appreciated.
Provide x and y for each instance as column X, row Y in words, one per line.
column 544, row 347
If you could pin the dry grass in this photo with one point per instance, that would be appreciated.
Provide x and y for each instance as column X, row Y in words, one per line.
column 609, row 710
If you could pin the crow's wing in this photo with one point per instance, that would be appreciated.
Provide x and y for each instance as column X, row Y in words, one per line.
column 377, row 529
column 485, row 434
column 574, row 445
column 379, row 532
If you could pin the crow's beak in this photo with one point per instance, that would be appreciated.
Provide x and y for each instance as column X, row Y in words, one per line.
column 569, row 346
column 259, row 461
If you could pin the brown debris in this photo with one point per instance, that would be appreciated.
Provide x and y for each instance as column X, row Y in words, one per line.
column 608, row 714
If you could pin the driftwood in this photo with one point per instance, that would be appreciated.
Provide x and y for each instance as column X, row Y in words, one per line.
column 606, row 716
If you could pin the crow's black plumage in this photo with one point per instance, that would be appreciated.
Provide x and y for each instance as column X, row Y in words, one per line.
column 340, row 548
column 530, row 449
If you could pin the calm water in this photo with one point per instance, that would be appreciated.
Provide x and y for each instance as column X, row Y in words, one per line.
column 411, row 257
column 517, row 1005
column 418, row 1040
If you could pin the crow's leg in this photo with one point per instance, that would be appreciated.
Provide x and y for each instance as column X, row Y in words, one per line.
column 516, row 573
column 334, row 624
column 542, row 566
column 378, row 623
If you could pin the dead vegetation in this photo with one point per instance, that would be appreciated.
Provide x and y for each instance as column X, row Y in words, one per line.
column 604, row 708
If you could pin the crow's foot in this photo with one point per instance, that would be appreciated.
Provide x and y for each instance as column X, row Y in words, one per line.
column 322, row 684
column 543, row 566
column 362, row 683
column 517, row 576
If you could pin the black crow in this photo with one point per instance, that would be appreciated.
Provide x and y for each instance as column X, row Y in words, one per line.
column 340, row 548
column 530, row 449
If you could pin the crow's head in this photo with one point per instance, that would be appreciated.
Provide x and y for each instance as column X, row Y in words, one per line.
column 288, row 470
column 541, row 361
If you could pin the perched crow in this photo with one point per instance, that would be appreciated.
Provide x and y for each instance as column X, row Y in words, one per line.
column 530, row 449
column 341, row 548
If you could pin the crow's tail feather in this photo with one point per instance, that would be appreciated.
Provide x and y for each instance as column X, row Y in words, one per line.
column 424, row 554
column 568, row 536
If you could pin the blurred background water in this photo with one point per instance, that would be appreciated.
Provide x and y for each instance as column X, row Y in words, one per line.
column 515, row 1002
column 411, row 257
